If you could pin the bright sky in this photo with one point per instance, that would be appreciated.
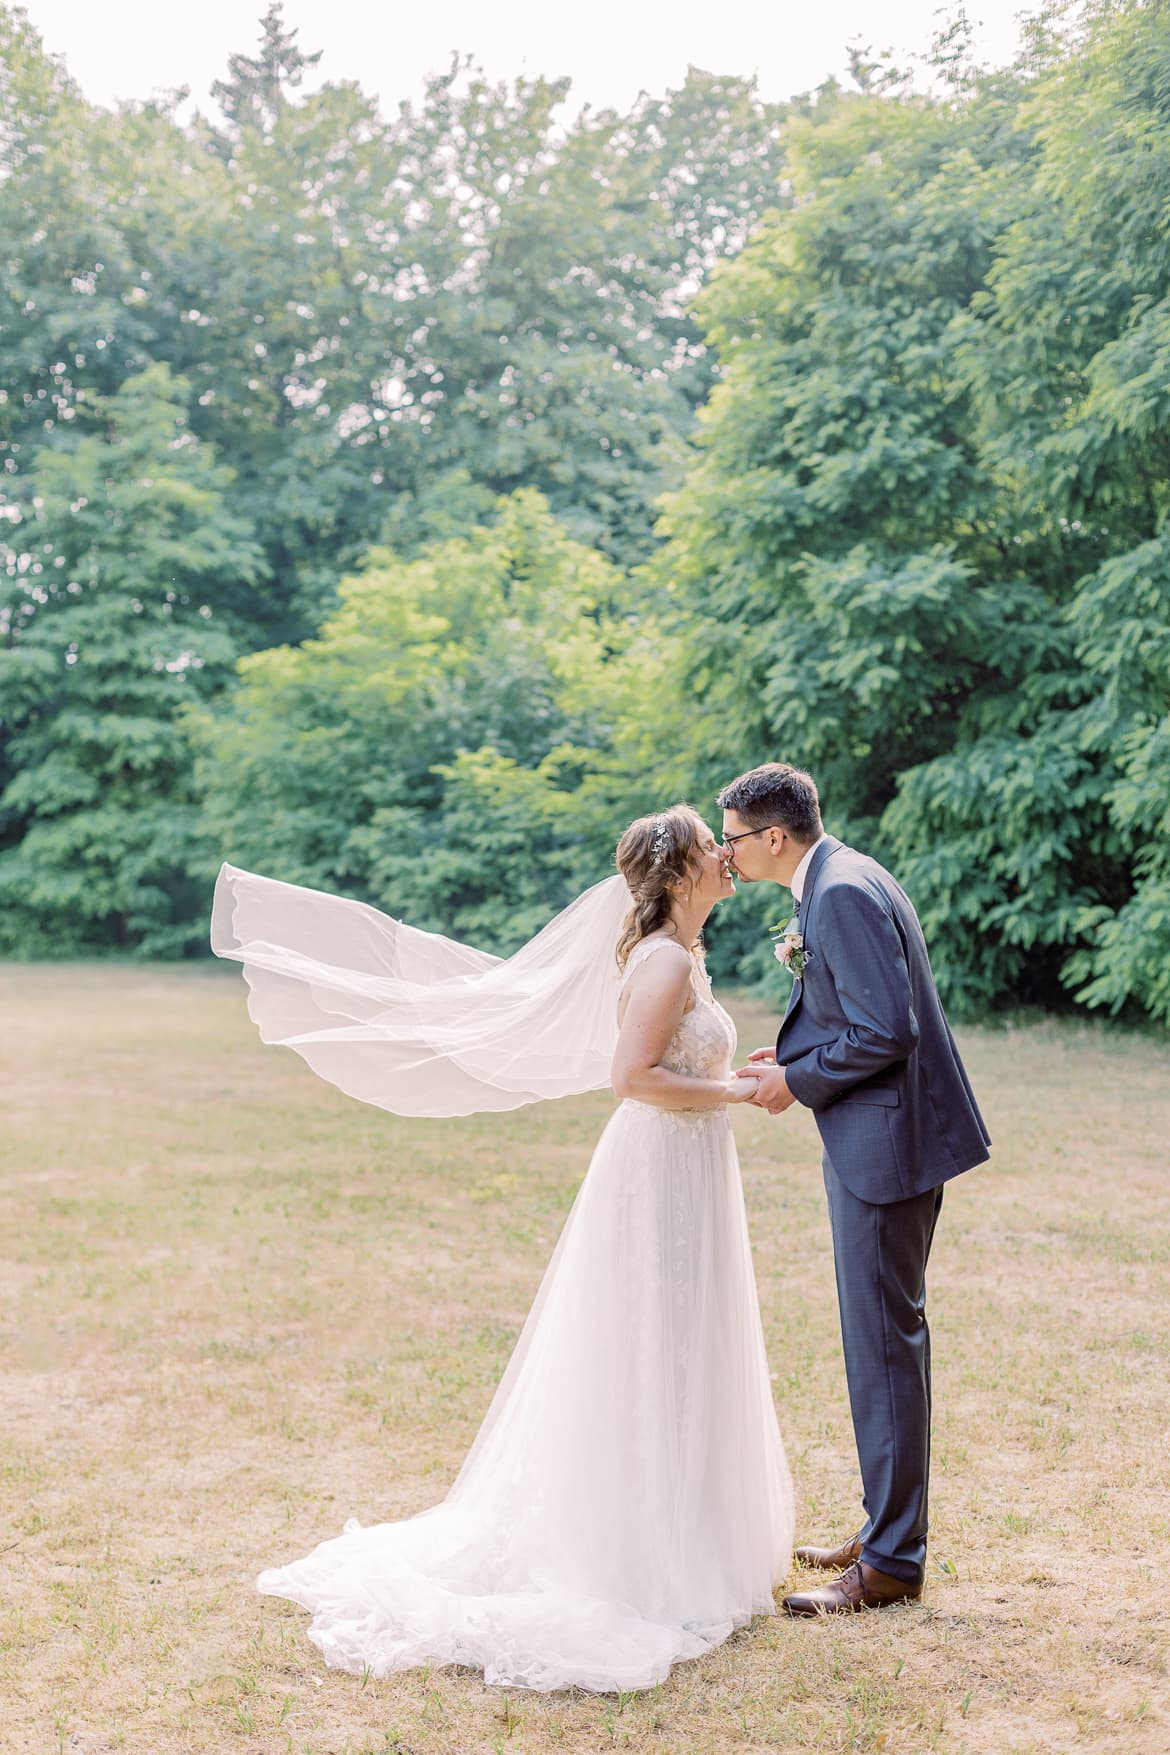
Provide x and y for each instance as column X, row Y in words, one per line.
column 610, row 48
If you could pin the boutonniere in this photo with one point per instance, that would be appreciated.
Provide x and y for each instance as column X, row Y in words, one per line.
column 788, row 947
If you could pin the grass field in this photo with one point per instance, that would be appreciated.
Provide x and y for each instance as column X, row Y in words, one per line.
column 236, row 1309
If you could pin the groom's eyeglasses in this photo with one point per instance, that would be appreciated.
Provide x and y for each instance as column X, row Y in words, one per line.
column 730, row 840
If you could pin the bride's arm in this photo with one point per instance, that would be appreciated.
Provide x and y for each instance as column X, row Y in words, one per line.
column 655, row 1003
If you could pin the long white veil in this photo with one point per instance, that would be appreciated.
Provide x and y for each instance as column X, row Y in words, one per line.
column 415, row 1022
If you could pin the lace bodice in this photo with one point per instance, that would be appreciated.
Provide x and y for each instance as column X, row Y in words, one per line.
column 704, row 1042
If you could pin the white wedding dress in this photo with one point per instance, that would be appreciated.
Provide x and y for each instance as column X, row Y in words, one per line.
column 626, row 1502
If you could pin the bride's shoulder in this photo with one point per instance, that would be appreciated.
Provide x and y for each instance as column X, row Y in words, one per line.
column 657, row 941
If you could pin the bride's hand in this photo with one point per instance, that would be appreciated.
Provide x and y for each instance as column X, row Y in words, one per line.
column 740, row 1089
column 765, row 1054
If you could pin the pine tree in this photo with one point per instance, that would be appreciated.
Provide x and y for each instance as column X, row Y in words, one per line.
column 255, row 91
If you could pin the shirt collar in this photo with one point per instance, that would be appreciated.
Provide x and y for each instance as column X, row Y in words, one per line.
column 796, row 885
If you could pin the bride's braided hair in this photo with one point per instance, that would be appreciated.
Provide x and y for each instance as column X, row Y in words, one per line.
column 654, row 853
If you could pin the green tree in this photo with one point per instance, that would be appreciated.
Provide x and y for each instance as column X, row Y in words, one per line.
column 257, row 87
column 925, row 527
column 374, row 311
column 817, row 528
column 834, row 550
column 124, row 569
column 463, row 741
column 384, row 324
column 1067, row 360
column 64, row 325
column 543, row 332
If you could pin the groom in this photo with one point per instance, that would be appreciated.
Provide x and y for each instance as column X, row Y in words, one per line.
column 864, row 1044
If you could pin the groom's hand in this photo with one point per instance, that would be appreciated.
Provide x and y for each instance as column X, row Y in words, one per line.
column 772, row 1091
column 758, row 1054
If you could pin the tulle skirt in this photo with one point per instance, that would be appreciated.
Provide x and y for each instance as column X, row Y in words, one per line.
column 626, row 1502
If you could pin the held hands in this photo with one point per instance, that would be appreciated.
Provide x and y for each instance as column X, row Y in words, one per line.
column 741, row 1087
column 768, row 1081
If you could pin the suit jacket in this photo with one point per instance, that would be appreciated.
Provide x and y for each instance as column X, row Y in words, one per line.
column 865, row 1042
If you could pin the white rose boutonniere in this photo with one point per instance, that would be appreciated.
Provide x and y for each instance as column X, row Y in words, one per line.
column 788, row 947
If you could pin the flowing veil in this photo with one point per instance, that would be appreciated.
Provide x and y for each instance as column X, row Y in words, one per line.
column 417, row 1023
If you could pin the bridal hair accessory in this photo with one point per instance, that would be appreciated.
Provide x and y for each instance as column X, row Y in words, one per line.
column 658, row 844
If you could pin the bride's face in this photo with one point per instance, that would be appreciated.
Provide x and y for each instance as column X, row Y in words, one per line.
column 713, row 880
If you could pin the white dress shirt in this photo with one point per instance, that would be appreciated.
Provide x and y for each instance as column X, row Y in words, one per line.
column 796, row 885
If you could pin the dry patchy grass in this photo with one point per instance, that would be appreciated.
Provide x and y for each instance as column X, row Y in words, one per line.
column 236, row 1309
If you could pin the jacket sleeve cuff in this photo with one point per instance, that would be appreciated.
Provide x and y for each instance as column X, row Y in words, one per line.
column 801, row 1077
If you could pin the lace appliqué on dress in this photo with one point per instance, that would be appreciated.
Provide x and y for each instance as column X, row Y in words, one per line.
column 702, row 1046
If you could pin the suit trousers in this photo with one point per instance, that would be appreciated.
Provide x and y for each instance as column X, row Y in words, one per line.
column 880, row 1255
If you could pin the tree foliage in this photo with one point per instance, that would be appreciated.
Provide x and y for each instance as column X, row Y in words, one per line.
column 123, row 600
column 400, row 504
column 367, row 330
column 926, row 529
column 454, row 741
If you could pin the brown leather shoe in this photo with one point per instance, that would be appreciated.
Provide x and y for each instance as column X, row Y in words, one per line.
column 831, row 1559
column 859, row 1587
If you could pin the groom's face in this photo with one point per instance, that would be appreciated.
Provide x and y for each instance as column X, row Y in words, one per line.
column 752, row 855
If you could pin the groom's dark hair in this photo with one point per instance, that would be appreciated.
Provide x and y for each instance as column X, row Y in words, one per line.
column 776, row 793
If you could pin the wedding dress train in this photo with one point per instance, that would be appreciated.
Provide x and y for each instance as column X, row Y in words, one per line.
column 627, row 1501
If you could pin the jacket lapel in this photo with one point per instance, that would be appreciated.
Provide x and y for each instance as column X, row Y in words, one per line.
column 828, row 846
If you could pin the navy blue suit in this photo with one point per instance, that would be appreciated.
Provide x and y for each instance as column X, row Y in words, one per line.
column 867, row 1047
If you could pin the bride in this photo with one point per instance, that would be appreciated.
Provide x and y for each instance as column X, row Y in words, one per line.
column 626, row 1502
